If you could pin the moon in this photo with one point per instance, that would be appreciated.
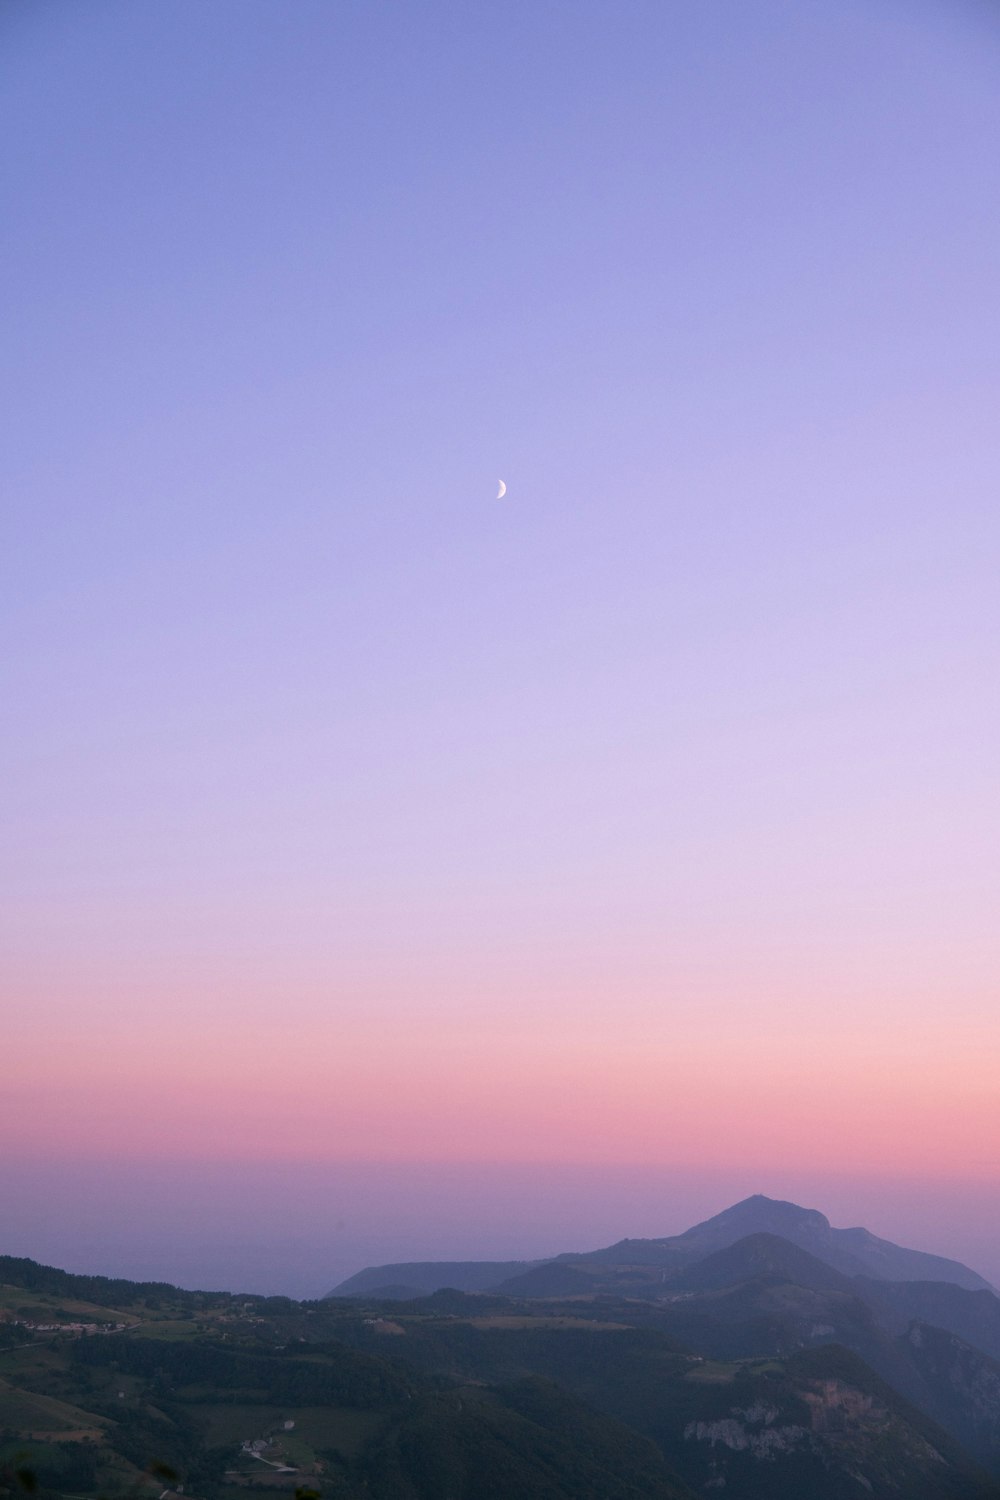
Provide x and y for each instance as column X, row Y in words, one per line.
column 502, row 490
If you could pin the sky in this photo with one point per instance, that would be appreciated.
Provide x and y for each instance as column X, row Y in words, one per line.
column 500, row 868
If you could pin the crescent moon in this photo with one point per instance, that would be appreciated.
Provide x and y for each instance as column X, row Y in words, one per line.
column 502, row 490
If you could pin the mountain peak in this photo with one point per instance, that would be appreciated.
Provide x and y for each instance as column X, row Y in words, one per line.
column 759, row 1214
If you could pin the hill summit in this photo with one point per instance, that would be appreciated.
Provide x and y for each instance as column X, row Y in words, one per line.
column 855, row 1252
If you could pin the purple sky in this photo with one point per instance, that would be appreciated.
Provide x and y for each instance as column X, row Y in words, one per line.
column 647, row 818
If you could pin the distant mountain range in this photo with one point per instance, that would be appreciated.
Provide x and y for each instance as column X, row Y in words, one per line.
column 748, row 1356
column 631, row 1264
column 768, row 1277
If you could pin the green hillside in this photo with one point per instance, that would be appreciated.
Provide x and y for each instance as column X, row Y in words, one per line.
column 475, row 1397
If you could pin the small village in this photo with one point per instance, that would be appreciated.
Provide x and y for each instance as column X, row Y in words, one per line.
column 75, row 1330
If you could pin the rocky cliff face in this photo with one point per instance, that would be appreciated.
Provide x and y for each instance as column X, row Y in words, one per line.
column 963, row 1386
column 825, row 1427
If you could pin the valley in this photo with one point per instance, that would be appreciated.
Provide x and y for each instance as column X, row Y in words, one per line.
column 755, row 1369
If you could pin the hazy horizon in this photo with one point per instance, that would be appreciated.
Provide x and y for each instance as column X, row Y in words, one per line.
column 299, row 1229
